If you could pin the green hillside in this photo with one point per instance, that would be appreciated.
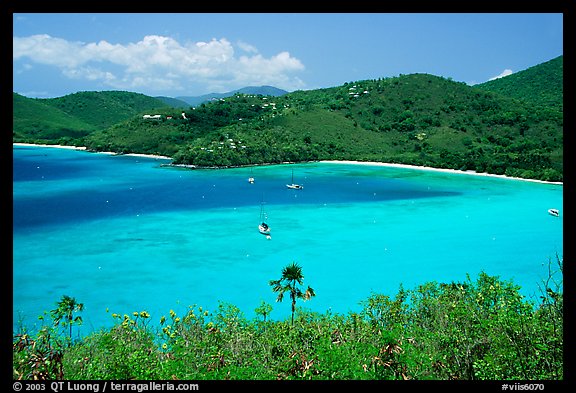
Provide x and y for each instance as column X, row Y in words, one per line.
column 68, row 118
column 249, row 90
column 416, row 119
column 34, row 120
column 541, row 85
column 105, row 108
column 173, row 102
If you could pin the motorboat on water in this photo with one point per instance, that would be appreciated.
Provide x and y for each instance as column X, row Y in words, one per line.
column 554, row 212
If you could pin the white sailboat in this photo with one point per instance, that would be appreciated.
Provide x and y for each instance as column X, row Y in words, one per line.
column 294, row 186
column 263, row 226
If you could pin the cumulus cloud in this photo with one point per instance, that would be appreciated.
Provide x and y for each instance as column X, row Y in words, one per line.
column 160, row 63
column 504, row 73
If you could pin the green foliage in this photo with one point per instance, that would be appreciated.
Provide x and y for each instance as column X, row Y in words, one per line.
column 416, row 119
column 106, row 108
column 292, row 277
column 64, row 314
column 542, row 84
column 38, row 356
column 126, row 351
column 263, row 309
column 69, row 118
column 34, row 120
column 476, row 329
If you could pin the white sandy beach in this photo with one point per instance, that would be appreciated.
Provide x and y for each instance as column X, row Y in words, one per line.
column 372, row 163
column 426, row 168
column 101, row 152
column 58, row 146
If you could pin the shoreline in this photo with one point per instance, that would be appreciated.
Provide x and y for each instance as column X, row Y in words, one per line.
column 428, row 168
column 91, row 151
column 348, row 162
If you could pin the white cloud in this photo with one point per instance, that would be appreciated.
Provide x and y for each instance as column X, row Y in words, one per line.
column 504, row 73
column 160, row 63
column 47, row 50
column 247, row 47
column 89, row 73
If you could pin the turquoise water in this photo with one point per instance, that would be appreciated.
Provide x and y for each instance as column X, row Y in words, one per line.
column 125, row 234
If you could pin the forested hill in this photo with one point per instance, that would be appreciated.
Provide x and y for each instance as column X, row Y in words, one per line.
column 416, row 119
column 77, row 114
column 35, row 120
column 250, row 90
column 540, row 85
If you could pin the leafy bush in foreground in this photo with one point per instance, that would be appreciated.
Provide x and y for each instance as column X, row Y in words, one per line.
column 482, row 329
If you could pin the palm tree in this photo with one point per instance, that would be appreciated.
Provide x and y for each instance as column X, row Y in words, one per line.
column 291, row 276
column 66, row 308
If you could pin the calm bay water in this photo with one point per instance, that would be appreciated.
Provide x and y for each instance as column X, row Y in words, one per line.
column 125, row 234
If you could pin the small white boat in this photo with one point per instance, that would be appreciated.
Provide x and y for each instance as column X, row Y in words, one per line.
column 263, row 227
column 251, row 180
column 554, row 212
column 294, row 186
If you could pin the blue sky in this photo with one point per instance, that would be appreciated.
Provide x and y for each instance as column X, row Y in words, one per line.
column 190, row 54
